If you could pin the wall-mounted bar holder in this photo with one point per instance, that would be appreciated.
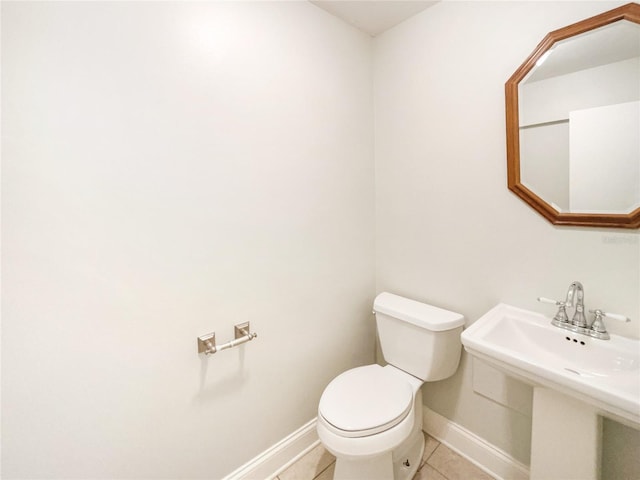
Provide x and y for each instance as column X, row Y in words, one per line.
column 207, row 343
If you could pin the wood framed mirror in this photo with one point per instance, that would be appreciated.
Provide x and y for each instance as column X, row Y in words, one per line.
column 573, row 123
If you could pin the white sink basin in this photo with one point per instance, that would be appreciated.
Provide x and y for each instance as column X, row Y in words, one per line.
column 602, row 373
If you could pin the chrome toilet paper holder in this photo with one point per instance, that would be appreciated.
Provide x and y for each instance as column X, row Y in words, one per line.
column 242, row 334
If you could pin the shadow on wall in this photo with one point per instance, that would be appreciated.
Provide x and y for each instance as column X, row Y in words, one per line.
column 225, row 385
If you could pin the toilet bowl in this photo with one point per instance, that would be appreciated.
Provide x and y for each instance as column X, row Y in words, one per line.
column 390, row 417
column 370, row 417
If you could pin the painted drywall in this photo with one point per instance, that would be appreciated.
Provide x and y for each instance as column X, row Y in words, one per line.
column 448, row 231
column 544, row 166
column 172, row 169
column 610, row 133
column 549, row 166
column 552, row 99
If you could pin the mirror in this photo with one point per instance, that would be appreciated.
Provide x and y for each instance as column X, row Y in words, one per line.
column 573, row 123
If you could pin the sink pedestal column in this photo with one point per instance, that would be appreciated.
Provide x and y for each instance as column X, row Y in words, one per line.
column 565, row 437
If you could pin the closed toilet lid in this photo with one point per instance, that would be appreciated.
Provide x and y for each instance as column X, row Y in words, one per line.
column 366, row 400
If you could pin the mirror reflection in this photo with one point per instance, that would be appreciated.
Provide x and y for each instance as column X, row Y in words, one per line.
column 579, row 122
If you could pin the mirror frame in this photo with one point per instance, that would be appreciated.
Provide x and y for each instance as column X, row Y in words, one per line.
column 630, row 12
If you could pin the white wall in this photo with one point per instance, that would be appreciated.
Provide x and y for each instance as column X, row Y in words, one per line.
column 544, row 147
column 604, row 158
column 170, row 169
column 448, row 230
column 544, row 162
column 553, row 99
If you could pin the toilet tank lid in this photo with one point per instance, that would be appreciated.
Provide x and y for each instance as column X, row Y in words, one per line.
column 417, row 313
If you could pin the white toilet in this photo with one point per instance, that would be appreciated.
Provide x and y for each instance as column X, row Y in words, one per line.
column 370, row 417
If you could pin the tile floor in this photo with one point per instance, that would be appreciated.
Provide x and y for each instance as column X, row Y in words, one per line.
column 438, row 463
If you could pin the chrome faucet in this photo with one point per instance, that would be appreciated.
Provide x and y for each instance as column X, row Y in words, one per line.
column 578, row 323
column 575, row 299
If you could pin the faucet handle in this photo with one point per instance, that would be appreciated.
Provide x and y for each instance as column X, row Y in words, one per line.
column 615, row 316
column 597, row 329
column 552, row 302
column 561, row 318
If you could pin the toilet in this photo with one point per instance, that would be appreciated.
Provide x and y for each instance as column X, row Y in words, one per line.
column 370, row 417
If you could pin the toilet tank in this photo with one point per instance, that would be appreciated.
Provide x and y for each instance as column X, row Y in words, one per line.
column 417, row 338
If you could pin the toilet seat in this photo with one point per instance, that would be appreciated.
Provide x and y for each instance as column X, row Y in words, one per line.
column 365, row 401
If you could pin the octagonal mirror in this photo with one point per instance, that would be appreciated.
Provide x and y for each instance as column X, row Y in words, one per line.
column 573, row 123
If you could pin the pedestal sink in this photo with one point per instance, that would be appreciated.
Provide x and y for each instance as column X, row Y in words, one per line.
column 576, row 379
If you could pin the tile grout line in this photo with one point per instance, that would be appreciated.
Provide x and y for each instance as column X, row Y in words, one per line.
column 324, row 469
column 421, row 466
column 432, row 466
column 426, row 460
column 442, row 473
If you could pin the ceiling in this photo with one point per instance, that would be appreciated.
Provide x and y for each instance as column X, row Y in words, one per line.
column 373, row 16
column 611, row 43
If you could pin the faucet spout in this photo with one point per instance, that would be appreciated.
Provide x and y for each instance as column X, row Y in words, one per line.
column 575, row 299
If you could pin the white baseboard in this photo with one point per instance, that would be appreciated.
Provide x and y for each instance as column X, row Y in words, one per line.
column 478, row 451
column 277, row 458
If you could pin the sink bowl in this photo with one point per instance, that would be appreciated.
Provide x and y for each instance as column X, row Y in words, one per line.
column 602, row 373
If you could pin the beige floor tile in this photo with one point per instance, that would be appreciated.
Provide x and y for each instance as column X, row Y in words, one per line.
column 453, row 466
column 427, row 472
column 327, row 474
column 309, row 466
column 430, row 444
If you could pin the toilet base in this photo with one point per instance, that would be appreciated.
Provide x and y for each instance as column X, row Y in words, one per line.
column 376, row 468
column 400, row 464
column 406, row 462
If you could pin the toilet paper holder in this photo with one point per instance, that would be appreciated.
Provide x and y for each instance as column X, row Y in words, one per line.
column 242, row 334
